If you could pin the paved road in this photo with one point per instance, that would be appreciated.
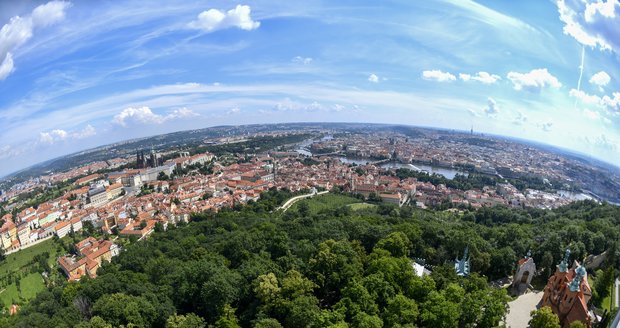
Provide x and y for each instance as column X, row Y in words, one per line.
column 293, row 200
column 519, row 309
column 617, row 289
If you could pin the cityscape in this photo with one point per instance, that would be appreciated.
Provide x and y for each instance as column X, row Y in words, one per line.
column 270, row 164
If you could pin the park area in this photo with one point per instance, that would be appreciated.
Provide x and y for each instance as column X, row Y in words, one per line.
column 329, row 201
column 20, row 272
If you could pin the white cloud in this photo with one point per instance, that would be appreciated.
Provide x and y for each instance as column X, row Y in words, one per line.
column 534, row 81
column 482, row 77
column 439, row 76
column 547, row 126
column 181, row 113
column 465, row 77
column 6, row 67
column 302, row 60
column 603, row 142
column 20, row 29
column 593, row 115
column 473, row 112
column 233, row 110
column 58, row 135
column 7, row 151
column 49, row 13
column 88, row 131
column 53, row 136
column 492, row 109
column 612, row 103
column 584, row 97
column 288, row 105
column 373, row 78
column 520, row 119
column 600, row 79
column 212, row 20
column 144, row 115
column 592, row 23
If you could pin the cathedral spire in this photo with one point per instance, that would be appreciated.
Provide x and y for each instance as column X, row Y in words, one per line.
column 580, row 273
column 563, row 267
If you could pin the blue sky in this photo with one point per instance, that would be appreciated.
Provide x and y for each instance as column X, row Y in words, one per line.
column 75, row 75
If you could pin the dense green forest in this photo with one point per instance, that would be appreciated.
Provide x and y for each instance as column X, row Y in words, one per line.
column 337, row 267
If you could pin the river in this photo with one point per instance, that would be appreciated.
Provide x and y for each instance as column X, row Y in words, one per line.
column 302, row 147
column 449, row 173
column 446, row 172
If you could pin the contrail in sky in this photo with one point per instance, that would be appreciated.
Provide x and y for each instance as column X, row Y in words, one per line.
column 583, row 54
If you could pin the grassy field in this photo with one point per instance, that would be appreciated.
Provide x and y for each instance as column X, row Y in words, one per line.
column 19, row 264
column 361, row 206
column 30, row 285
column 319, row 203
column 607, row 301
column 21, row 259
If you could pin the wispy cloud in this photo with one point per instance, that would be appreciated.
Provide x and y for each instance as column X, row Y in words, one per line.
column 302, row 60
column 547, row 126
column 520, row 119
column 473, row 113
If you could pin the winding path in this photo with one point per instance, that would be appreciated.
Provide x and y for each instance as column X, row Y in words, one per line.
column 293, row 200
column 617, row 290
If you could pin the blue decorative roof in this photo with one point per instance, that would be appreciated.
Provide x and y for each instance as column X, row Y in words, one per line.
column 580, row 273
column 563, row 267
column 462, row 266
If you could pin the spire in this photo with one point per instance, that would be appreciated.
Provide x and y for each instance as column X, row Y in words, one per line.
column 580, row 273
column 462, row 266
column 563, row 267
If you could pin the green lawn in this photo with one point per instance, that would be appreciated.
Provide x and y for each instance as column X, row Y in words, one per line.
column 319, row 203
column 607, row 301
column 19, row 264
column 18, row 260
column 361, row 206
column 9, row 295
column 30, row 285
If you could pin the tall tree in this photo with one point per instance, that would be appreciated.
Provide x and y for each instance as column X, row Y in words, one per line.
column 544, row 318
